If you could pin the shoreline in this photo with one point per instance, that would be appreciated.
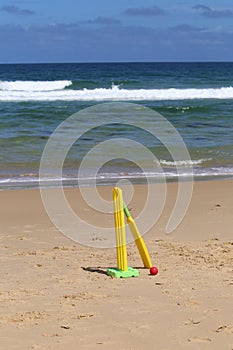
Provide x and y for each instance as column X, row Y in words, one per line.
column 55, row 293
column 72, row 183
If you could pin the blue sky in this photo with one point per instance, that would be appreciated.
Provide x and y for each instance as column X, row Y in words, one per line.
column 115, row 30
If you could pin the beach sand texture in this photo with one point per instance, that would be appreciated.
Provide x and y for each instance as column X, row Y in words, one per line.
column 55, row 294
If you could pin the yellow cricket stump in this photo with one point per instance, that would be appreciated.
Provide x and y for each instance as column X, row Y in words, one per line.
column 122, row 263
column 122, row 270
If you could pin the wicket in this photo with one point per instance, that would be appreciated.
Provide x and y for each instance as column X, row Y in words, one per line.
column 122, row 270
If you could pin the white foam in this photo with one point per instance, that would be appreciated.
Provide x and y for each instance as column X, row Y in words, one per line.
column 183, row 163
column 54, row 91
column 34, row 86
column 106, row 178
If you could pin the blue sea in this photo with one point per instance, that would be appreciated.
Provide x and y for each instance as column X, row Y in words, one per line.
column 196, row 98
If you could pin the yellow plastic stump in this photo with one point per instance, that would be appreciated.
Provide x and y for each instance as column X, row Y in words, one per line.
column 122, row 263
column 120, row 209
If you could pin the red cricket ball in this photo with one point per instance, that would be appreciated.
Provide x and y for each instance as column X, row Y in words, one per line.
column 154, row 270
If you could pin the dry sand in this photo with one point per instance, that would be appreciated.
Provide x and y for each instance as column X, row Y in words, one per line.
column 54, row 293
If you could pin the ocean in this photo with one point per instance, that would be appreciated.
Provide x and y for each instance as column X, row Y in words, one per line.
column 196, row 98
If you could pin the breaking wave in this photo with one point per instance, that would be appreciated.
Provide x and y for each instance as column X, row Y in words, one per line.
column 62, row 91
column 33, row 86
column 183, row 163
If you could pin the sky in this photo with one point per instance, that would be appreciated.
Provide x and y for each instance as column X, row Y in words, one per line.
column 115, row 31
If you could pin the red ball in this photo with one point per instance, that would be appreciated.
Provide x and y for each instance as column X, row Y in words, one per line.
column 154, row 270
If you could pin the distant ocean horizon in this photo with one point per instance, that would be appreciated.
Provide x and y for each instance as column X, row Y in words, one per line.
column 195, row 97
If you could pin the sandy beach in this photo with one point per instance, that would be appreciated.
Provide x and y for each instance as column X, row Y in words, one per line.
column 55, row 293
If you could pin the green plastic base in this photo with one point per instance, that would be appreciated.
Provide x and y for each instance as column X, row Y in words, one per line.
column 123, row 274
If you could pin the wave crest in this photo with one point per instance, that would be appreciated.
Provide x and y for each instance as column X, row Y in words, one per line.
column 55, row 91
column 33, row 86
column 184, row 163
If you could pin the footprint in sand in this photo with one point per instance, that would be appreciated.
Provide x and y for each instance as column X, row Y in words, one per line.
column 225, row 329
column 192, row 322
column 29, row 317
column 200, row 340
